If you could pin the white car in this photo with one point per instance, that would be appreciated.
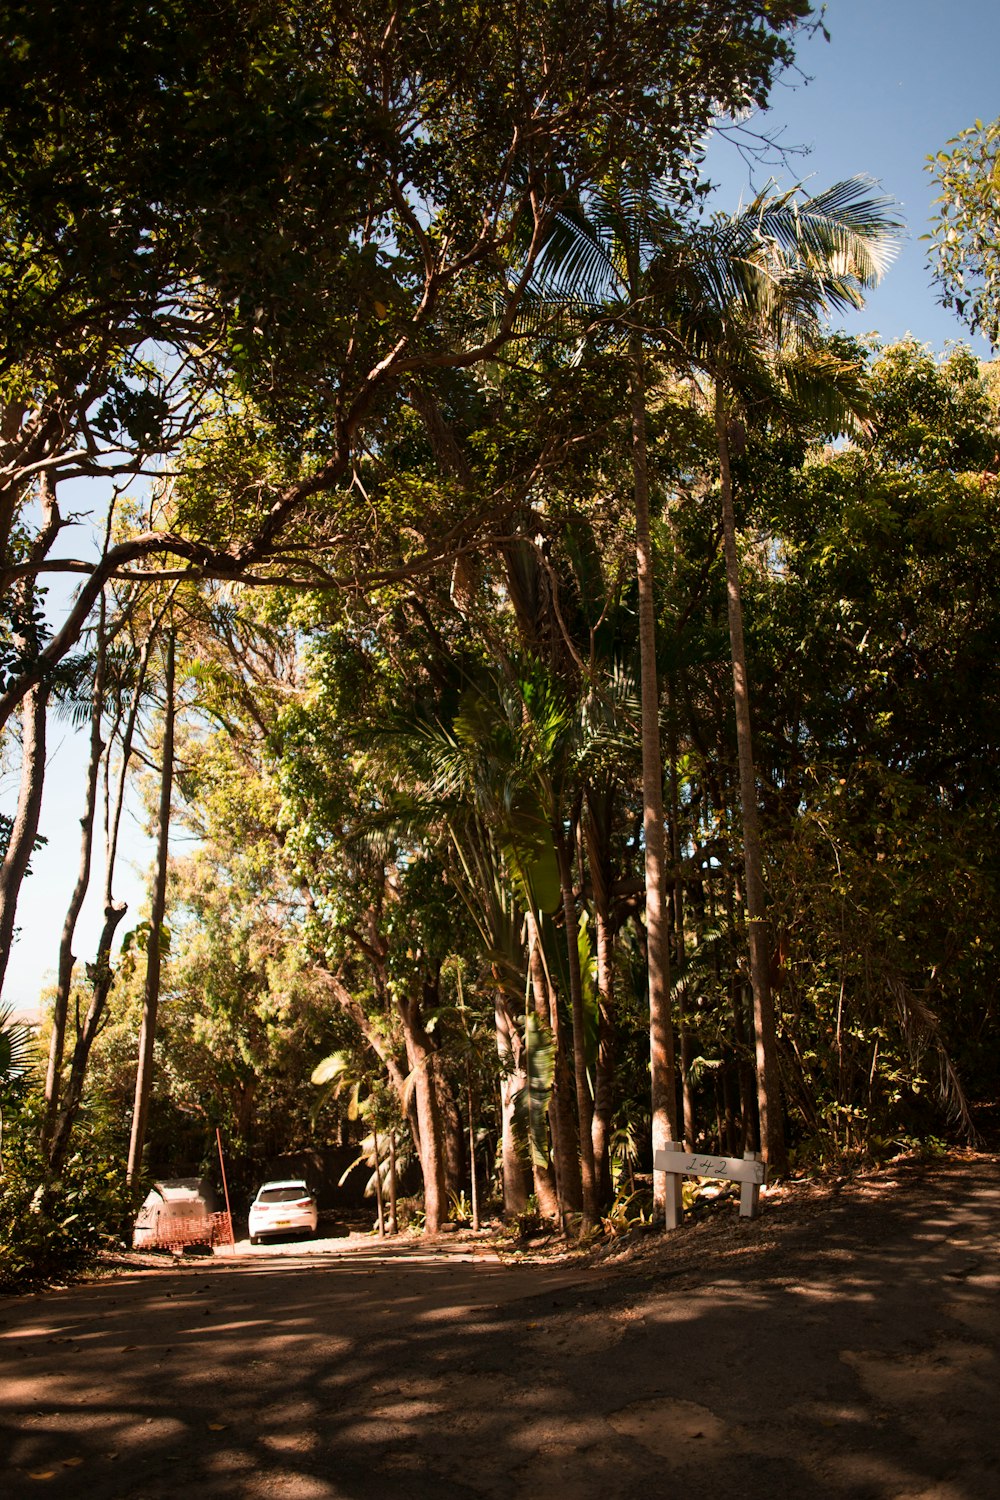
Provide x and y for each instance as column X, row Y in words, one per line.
column 282, row 1208
column 174, row 1214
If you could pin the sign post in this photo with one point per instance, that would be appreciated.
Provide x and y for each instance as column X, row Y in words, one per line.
column 750, row 1172
column 225, row 1189
column 664, row 1162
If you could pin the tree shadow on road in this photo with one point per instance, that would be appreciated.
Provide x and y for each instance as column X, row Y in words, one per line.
column 852, row 1353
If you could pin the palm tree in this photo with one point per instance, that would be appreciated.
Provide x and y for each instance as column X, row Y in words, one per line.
column 598, row 260
column 741, row 301
column 151, row 994
column 16, row 1056
column 745, row 299
column 497, row 769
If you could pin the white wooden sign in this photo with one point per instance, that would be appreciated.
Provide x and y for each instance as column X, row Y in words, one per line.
column 749, row 1171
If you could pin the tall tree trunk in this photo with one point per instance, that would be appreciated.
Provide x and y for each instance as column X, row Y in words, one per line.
column 473, row 1175
column 686, row 1058
column 604, row 1069
column 768, row 1077
column 677, row 909
column 100, row 973
column 378, row 1181
column 102, row 978
column 596, row 828
column 151, row 997
column 512, row 1078
column 420, row 1056
column 451, row 1126
column 393, row 1219
column 244, row 1105
column 431, row 1149
column 565, row 1156
column 584, row 1102
column 33, row 721
column 29, row 807
column 661, row 1038
column 546, row 1177
column 67, row 959
column 730, row 1097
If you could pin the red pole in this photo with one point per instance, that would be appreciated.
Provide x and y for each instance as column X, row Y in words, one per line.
column 225, row 1189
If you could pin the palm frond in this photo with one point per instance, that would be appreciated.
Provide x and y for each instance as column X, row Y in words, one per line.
column 777, row 267
column 578, row 263
column 828, row 390
column 698, row 965
column 922, row 1031
column 17, row 1046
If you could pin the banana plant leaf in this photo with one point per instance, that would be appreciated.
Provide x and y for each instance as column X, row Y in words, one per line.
column 531, row 1101
column 530, row 852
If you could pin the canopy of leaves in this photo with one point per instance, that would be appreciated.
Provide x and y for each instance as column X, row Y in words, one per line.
column 965, row 243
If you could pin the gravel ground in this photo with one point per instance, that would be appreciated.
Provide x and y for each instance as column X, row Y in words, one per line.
column 844, row 1345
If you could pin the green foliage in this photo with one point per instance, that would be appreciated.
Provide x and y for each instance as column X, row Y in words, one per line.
column 507, row 742
column 17, row 1051
column 931, row 415
column 396, row 780
column 531, row 1101
column 884, row 601
column 528, row 1223
column 888, row 919
column 50, row 1229
column 964, row 252
column 415, row 779
column 459, row 1209
column 631, row 1209
column 333, row 1076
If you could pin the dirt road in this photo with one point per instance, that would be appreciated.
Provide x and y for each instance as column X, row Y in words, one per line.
column 843, row 1346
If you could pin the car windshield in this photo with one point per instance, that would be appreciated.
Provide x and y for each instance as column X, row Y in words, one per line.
column 284, row 1194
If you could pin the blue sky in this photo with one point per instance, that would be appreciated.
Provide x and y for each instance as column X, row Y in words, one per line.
column 46, row 892
column 897, row 80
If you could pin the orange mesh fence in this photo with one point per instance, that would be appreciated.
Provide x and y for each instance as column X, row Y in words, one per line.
column 193, row 1229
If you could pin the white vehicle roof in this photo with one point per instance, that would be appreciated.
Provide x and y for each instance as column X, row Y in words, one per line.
column 283, row 1182
column 181, row 1188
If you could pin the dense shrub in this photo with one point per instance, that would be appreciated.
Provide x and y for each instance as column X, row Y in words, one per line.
column 49, row 1230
